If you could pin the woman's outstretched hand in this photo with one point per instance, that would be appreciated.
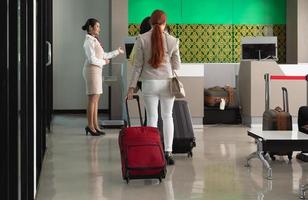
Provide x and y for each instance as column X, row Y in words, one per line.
column 120, row 49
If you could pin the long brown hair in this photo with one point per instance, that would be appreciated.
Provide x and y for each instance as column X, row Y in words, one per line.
column 158, row 18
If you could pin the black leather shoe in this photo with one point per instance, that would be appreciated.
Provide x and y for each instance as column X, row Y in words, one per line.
column 169, row 158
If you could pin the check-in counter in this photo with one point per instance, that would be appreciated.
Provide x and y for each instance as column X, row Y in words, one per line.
column 252, row 89
column 192, row 76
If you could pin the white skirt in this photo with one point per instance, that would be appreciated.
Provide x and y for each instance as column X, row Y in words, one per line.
column 93, row 77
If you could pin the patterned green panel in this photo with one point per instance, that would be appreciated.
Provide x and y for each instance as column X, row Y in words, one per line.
column 241, row 31
column 205, row 43
column 133, row 29
column 208, row 43
column 260, row 30
column 280, row 32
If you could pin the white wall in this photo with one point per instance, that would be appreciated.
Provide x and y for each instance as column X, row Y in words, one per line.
column 291, row 29
column 297, row 31
column 68, row 54
column 303, row 31
column 220, row 74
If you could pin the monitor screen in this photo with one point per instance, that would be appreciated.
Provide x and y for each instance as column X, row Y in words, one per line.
column 129, row 42
column 128, row 49
column 259, row 51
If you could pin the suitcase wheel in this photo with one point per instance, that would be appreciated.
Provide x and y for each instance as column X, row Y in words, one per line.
column 159, row 179
column 127, row 177
column 272, row 157
column 190, row 154
column 290, row 156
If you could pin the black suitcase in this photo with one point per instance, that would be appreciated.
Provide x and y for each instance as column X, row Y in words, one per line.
column 302, row 122
column 184, row 139
column 302, row 119
column 230, row 115
column 277, row 119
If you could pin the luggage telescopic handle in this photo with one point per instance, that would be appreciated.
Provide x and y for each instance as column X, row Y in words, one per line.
column 285, row 99
column 267, row 98
column 126, row 104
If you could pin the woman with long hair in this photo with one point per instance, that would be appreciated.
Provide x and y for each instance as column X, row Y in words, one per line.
column 92, row 72
column 157, row 55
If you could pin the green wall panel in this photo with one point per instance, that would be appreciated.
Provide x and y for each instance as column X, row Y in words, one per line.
column 139, row 9
column 206, row 12
column 211, row 11
column 259, row 12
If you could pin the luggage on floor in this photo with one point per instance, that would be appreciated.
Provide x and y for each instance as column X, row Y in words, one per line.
column 302, row 122
column 277, row 119
column 213, row 96
column 184, row 139
column 302, row 119
column 141, row 151
column 230, row 115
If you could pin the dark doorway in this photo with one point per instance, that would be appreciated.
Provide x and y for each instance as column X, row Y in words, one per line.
column 25, row 94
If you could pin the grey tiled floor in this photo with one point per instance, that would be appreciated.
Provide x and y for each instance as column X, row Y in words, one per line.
column 81, row 167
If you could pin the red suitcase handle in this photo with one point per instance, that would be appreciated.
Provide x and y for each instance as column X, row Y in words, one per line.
column 127, row 112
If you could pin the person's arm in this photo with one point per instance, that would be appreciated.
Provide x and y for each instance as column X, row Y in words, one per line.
column 90, row 53
column 138, row 64
column 175, row 57
column 112, row 54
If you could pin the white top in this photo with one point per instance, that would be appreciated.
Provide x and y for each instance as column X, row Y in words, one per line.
column 95, row 54
column 278, row 135
column 143, row 70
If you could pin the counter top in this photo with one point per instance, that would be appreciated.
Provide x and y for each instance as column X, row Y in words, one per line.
column 191, row 70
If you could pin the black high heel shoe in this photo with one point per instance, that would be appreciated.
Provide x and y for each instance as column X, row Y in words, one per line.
column 169, row 158
column 88, row 130
column 100, row 132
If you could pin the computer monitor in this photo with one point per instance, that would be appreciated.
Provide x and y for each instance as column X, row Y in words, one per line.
column 128, row 49
column 259, row 48
column 129, row 44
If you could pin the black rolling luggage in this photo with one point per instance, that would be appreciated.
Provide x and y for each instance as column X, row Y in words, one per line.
column 302, row 122
column 277, row 119
column 184, row 139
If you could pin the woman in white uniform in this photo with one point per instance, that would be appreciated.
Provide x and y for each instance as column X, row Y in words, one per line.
column 92, row 72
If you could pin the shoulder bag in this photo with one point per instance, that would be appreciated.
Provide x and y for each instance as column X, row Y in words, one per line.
column 176, row 86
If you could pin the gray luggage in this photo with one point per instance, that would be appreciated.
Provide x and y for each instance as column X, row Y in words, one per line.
column 184, row 139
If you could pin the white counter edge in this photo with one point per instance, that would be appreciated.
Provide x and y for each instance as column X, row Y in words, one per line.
column 191, row 70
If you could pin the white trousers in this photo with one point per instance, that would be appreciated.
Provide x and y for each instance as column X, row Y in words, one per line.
column 153, row 91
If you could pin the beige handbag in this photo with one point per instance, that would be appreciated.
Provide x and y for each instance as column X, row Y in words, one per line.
column 176, row 87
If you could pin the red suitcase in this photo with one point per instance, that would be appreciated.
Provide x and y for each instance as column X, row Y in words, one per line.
column 141, row 151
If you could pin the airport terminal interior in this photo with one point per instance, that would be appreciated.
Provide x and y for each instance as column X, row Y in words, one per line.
column 244, row 67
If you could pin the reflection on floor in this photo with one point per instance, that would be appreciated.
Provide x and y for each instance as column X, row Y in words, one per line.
column 81, row 167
